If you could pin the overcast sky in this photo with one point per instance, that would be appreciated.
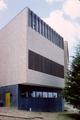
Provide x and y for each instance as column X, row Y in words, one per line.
column 61, row 15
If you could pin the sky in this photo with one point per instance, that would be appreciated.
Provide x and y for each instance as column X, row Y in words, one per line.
column 62, row 15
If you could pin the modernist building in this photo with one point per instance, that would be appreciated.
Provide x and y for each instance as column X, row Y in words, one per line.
column 31, row 64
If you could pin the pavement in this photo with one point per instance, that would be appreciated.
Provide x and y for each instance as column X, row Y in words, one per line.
column 14, row 114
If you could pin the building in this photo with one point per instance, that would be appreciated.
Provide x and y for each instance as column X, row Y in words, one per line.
column 31, row 64
column 66, row 56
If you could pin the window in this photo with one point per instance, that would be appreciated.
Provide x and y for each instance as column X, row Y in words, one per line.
column 34, row 21
column 50, row 34
column 54, row 38
column 45, row 95
column 38, row 25
column 50, row 94
column 33, row 94
column 54, row 95
column 39, row 94
column 47, row 31
column 41, row 27
column 62, row 43
column 44, row 65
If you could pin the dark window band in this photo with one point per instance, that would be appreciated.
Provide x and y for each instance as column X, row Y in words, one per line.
column 39, row 63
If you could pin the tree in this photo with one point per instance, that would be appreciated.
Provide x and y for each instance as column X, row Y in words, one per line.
column 72, row 86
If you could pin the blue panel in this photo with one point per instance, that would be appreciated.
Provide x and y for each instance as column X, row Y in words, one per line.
column 41, row 104
column 36, row 104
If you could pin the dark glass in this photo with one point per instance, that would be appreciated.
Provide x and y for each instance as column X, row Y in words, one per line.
column 45, row 30
column 42, row 64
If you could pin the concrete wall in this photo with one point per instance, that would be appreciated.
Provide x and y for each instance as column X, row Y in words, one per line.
column 44, row 47
column 16, row 39
column 13, row 51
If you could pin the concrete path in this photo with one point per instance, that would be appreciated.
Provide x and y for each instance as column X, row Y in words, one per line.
column 14, row 114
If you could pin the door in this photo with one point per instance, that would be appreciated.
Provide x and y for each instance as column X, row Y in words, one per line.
column 7, row 99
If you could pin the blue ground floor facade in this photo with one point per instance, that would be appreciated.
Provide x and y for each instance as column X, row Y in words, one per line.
column 32, row 98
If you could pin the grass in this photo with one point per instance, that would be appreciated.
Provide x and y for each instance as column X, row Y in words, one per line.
column 71, row 116
column 61, row 116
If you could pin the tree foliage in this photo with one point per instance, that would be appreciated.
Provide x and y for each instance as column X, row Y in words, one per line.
column 72, row 87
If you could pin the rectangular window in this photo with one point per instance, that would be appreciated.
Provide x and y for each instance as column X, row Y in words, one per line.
column 44, row 29
column 51, row 35
column 50, row 94
column 45, row 95
column 41, row 27
column 42, row 64
column 39, row 94
column 34, row 21
column 54, row 95
column 48, row 32
column 37, row 24
column 33, row 94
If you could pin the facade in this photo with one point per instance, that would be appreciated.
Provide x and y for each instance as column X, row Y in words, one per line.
column 31, row 64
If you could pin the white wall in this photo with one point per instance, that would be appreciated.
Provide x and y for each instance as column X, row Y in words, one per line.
column 13, row 51
column 39, row 78
column 15, row 40
column 44, row 47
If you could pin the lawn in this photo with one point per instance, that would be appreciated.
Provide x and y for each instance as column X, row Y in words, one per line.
column 61, row 116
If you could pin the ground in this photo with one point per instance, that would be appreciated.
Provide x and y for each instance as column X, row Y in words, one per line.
column 14, row 114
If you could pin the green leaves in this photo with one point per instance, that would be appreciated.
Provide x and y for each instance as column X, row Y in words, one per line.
column 72, row 87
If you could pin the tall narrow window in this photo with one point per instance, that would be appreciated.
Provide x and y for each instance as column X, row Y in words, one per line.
column 42, row 27
column 34, row 21
column 51, row 35
column 37, row 25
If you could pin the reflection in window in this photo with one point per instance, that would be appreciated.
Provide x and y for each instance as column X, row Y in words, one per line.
column 50, row 95
column 39, row 94
column 33, row 94
column 54, row 95
column 45, row 95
